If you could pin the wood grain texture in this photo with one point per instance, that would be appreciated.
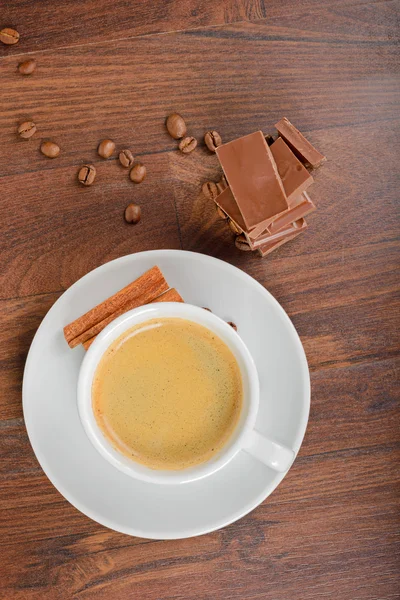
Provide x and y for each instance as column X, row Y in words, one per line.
column 76, row 22
column 48, row 25
column 331, row 529
column 48, row 241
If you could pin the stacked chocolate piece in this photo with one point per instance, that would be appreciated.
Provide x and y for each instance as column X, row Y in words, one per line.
column 264, row 192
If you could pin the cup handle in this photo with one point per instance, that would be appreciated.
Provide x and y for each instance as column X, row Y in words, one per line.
column 273, row 455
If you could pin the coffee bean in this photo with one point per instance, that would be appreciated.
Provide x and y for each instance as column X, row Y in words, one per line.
column 138, row 173
column 269, row 139
column 242, row 244
column 126, row 158
column 87, row 174
column 188, row 144
column 221, row 213
column 50, row 149
column 210, row 190
column 235, row 228
column 176, row 126
column 9, row 36
column 133, row 213
column 232, row 325
column 212, row 140
column 27, row 67
column 27, row 129
column 106, row 148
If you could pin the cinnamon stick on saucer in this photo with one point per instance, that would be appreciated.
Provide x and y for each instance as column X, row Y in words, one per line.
column 170, row 296
column 143, row 290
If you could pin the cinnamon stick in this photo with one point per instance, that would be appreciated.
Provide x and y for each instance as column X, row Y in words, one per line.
column 170, row 296
column 143, row 290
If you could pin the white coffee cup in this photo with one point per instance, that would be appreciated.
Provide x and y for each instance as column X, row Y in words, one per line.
column 244, row 438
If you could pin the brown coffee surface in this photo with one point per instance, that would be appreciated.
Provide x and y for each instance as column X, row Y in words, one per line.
column 168, row 394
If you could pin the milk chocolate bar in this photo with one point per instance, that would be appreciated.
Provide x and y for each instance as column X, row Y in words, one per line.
column 266, row 197
column 295, row 177
column 267, row 238
column 253, row 178
column 226, row 201
column 301, row 147
column 300, row 207
column 222, row 184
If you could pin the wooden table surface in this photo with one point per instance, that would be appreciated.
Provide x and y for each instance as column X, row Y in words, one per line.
column 116, row 69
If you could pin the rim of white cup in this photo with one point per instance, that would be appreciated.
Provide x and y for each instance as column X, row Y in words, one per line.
column 140, row 315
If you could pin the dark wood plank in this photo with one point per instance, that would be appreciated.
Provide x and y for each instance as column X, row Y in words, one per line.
column 304, row 529
column 45, row 25
column 19, row 320
column 55, row 232
column 348, row 211
column 74, row 22
column 130, row 107
column 331, row 528
column 125, row 89
column 353, row 407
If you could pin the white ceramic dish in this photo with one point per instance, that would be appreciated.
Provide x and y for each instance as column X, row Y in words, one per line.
column 245, row 437
column 136, row 507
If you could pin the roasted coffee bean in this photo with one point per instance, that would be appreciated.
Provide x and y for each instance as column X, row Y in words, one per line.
column 188, row 144
column 126, row 158
column 106, row 148
column 232, row 325
column 176, row 126
column 133, row 213
column 210, row 190
column 221, row 213
column 87, row 174
column 138, row 173
column 235, row 228
column 9, row 36
column 269, row 139
column 50, row 149
column 212, row 140
column 27, row 67
column 27, row 129
column 241, row 243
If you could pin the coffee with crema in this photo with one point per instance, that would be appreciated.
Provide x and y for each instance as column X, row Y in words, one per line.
column 168, row 394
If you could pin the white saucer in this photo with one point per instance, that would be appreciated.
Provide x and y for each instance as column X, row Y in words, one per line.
column 149, row 510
